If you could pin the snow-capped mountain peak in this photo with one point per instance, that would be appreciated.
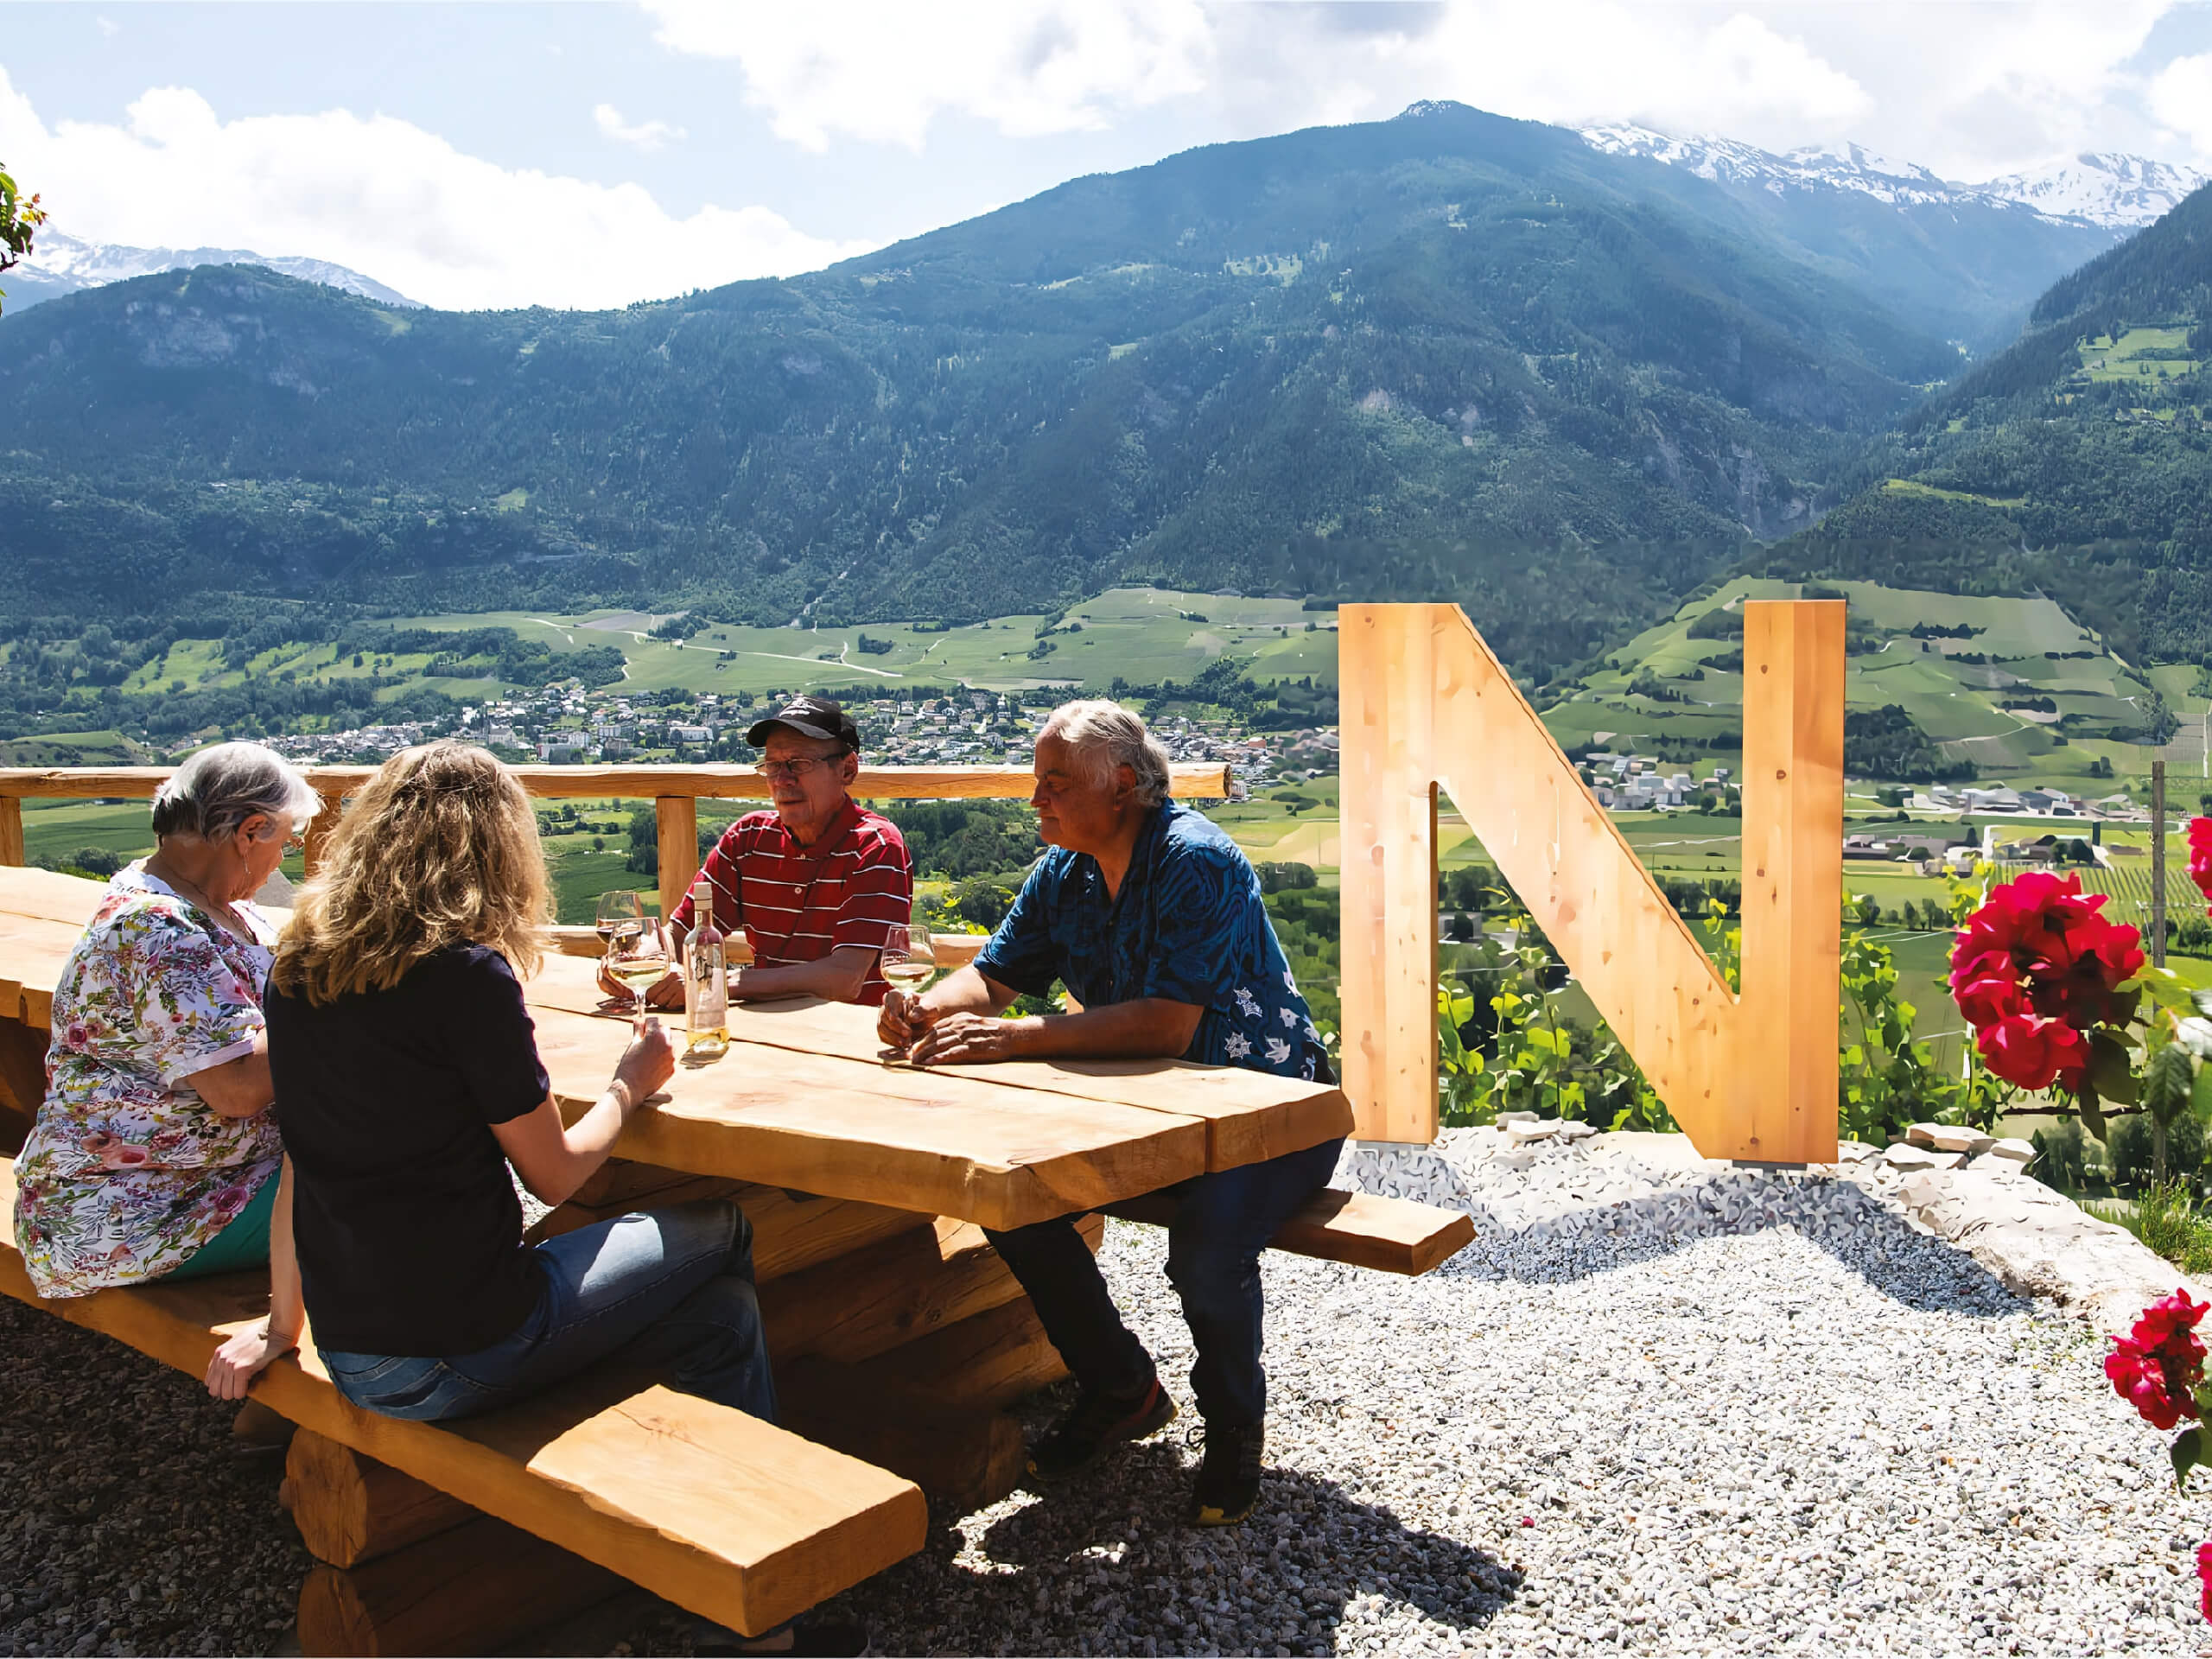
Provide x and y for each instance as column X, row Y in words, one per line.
column 63, row 264
column 1729, row 162
column 2119, row 192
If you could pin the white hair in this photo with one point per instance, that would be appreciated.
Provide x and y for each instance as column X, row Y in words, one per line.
column 217, row 790
column 1107, row 736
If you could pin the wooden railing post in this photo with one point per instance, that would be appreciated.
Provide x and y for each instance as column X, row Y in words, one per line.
column 11, row 830
column 319, row 830
column 1423, row 699
column 677, row 819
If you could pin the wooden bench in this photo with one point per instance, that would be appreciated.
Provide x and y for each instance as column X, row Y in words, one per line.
column 1358, row 1228
column 737, row 1520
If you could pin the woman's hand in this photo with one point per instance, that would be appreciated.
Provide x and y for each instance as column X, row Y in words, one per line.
column 244, row 1358
column 648, row 1062
column 966, row 1038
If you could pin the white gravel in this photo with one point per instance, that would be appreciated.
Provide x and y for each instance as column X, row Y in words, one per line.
column 1578, row 1436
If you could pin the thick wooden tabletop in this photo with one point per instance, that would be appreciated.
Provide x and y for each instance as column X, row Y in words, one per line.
column 807, row 1098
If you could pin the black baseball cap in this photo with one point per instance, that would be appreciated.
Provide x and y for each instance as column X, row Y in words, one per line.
column 817, row 717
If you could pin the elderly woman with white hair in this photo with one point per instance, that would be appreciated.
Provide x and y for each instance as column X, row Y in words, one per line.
column 1152, row 919
column 156, row 1153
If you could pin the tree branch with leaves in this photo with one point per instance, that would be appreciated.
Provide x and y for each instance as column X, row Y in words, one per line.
column 19, row 217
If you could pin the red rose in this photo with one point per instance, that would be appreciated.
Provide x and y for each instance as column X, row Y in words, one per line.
column 2200, row 855
column 2033, row 1053
column 2170, row 1324
column 1985, row 1001
column 2138, row 1378
column 2204, row 1552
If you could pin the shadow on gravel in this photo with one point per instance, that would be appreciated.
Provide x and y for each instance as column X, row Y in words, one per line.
column 1865, row 1235
column 1107, row 1556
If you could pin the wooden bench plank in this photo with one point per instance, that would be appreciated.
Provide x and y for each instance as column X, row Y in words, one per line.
column 1358, row 1228
column 946, row 1146
column 735, row 1519
column 1250, row 1116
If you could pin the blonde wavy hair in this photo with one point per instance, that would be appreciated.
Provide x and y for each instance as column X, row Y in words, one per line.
column 440, row 849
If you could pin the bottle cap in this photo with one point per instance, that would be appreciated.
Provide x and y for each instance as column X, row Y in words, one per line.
column 702, row 892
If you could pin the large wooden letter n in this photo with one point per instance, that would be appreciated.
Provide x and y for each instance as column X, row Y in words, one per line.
column 1424, row 702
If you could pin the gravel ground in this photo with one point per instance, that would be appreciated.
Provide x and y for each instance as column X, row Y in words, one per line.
column 129, row 1520
column 1563, row 1440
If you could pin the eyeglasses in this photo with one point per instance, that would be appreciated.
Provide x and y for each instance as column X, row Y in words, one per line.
column 798, row 771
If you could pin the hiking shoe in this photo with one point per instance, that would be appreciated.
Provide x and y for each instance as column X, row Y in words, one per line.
column 1229, row 1480
column 1096, row 1423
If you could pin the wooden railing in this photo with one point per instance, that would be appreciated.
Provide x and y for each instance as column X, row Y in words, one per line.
column 675, row 792
column 1751, row 1076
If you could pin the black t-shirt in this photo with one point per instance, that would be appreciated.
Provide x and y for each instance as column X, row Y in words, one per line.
column 410, row 1232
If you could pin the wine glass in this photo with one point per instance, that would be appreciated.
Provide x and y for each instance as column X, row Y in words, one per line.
column 908, row 964
column 616, row 922
column 639, row 959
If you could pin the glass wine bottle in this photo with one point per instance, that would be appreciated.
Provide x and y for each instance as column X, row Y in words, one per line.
column 706, row 979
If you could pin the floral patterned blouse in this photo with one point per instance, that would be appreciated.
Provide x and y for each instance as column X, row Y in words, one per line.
column 128, row 1171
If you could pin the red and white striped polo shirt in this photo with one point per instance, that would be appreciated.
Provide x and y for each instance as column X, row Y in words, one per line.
column 854, row 887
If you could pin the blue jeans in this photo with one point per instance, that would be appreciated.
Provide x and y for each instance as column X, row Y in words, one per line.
column 1223, row 1221
column 665, row 1287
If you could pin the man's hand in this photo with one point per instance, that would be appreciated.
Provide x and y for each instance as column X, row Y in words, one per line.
column 244, row 1358
column 901, row 1020
column 668, row 993
column 968, row 1038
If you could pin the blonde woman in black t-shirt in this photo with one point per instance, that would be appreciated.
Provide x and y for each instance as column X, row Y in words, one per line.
column 402, row 1050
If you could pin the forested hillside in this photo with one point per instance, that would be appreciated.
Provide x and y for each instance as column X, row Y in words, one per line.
column 2077, row 463
column 1446, row 356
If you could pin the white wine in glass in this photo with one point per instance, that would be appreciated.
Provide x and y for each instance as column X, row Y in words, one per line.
column 910, row 968
column 640, row 960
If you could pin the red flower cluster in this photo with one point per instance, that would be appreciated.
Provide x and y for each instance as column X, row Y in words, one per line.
column 2204, row 1580
column 2200, row 855
column 2035, row 969
column 2156, row 1366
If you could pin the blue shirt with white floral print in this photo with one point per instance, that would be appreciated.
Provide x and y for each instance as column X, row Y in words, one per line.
column 1188, row 925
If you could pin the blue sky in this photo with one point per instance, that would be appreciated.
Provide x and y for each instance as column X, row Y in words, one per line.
column 593, row 154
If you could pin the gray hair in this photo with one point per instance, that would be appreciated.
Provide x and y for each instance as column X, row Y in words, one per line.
column 1108, row 735
column 217, row 790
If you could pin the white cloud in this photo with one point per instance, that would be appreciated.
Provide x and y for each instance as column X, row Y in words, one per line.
column 1969, row 89
column 387, row 198
column 646, row 135
column 108, row 30
column 883, row 70
column 2182, row 98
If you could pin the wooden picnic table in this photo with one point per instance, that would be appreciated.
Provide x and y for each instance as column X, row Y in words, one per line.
column 900, row 1337
column 806, row 1098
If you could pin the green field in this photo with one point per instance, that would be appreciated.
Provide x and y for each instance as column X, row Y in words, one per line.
column 1975, row 710
column 1144, row 635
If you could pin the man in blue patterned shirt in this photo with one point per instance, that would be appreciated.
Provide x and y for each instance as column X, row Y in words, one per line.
column 1152, row 918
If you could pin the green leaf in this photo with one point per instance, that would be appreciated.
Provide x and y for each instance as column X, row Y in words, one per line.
column 2184, row 1453
column 2093, row 1117
column 2112, row 1069
column 2168, row 1080
column 2200, row 1094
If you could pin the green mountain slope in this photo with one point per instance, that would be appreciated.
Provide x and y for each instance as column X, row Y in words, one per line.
column 2076, row 463
column 1998, row 687
column 1444, row 356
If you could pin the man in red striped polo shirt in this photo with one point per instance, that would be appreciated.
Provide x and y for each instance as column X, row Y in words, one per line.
column 821, row 885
